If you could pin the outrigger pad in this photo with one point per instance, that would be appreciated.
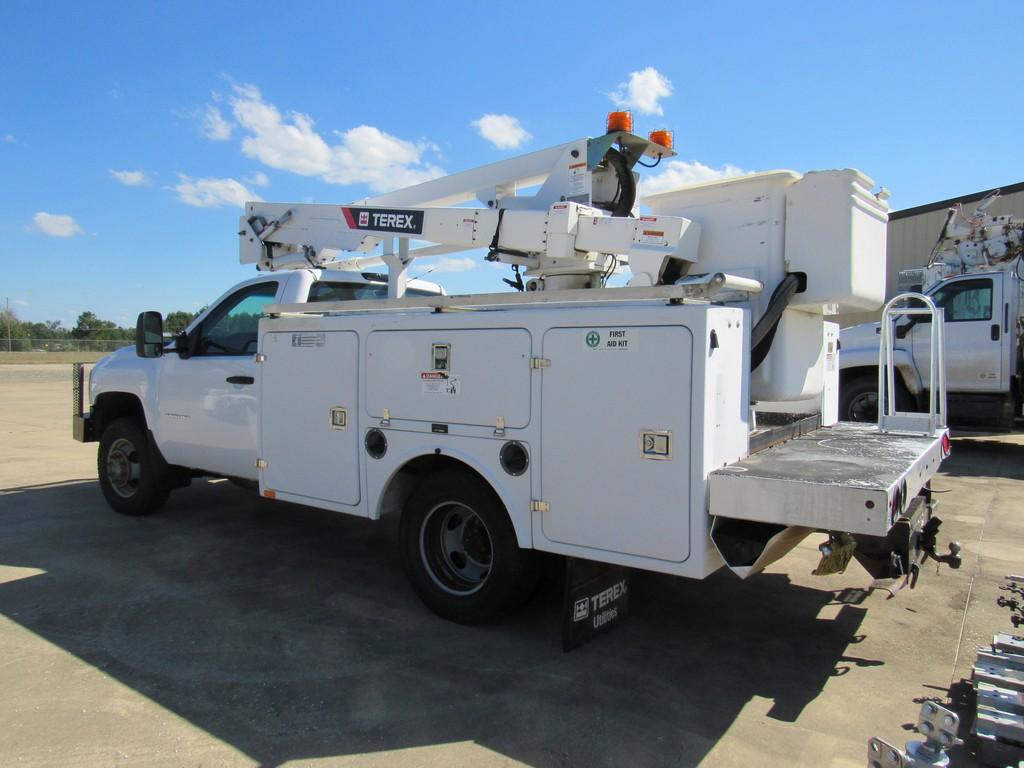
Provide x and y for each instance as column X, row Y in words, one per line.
column 596, row 600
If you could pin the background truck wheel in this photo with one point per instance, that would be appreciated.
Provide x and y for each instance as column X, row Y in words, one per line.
column 858, row 399
column 460, row 552
column 128, row 473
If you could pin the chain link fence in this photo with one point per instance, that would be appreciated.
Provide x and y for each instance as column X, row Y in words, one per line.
column 62, row 345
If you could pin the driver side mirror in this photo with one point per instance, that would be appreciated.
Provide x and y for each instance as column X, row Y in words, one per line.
column 149, row 335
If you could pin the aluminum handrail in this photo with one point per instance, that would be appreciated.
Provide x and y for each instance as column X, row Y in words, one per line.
column 890, row 419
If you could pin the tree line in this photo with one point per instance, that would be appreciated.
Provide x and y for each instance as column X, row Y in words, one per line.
column 89, row 327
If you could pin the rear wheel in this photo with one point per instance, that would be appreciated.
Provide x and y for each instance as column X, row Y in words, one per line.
column 460, row 552
column 129, row 476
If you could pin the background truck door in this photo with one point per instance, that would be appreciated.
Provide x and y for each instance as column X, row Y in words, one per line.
column 975, row 337
column 208, row 402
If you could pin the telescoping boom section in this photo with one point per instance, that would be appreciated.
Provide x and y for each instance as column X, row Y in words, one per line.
column 573, row 232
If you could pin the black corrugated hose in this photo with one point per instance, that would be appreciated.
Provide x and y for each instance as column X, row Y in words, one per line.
column 764, row 332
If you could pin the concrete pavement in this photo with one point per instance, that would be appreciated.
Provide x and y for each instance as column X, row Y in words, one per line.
column 230, row 630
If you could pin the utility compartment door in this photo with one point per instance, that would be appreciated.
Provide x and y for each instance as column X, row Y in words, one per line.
column 308, row 432
column 615, row 440
column 465, row 376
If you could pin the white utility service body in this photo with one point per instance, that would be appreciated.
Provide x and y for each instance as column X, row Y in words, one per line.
column 974, row 278
column 580, row 387
column 607, row 424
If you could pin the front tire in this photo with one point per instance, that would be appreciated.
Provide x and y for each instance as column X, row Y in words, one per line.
column 858, row 399
column 459, row 550
column 129, row 477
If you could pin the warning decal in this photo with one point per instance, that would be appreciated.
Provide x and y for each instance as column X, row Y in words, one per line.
column 440, row 383
column 652, row 237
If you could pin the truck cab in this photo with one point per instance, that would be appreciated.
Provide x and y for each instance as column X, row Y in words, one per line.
column 982, row 310
column 197, row 397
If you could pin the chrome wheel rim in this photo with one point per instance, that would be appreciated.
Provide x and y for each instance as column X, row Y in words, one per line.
column 123, row 468
column 456, row 548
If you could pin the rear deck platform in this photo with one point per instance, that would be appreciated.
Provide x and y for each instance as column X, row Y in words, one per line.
column 847, row 477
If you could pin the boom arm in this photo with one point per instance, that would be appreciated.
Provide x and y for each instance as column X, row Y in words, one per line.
column 562, row 241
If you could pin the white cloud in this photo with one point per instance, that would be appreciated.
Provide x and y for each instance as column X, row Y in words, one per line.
column 679, row 173
column 21, row 302
column 131, row 178
column 55, row 225
column 453, row 264
column 360, row 155
column 212, row 193
column 258, row 179
column 503, row 131
column 215, row 127
column 9, row 138
column 643, row 91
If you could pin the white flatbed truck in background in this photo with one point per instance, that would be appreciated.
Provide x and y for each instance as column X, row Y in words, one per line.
column 974, row 276
column 607, row 424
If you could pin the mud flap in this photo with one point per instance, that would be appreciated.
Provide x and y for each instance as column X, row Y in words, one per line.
column 596, row 600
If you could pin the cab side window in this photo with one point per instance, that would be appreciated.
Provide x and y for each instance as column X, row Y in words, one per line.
column 966, row 300
column 231, row 328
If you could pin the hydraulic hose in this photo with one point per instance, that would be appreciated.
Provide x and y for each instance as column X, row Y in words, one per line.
column 625, row 198
column 764, row 331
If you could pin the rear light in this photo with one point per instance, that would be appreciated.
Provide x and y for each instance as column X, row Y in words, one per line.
column 947, row 447
column 663, row 138
column 620, row 121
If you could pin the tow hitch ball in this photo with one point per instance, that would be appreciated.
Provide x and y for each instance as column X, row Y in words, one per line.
column 927, row 544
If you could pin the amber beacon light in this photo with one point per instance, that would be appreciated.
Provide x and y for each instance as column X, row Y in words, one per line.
column 664, row 138
column 620, row 121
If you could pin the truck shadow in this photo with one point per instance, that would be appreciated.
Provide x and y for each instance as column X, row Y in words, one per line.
column 981, row 457
column 290, row 633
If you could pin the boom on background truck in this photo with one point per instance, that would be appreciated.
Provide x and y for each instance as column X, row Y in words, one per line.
column 612, row 424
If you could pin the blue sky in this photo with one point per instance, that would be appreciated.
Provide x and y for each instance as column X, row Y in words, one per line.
column 128, row 132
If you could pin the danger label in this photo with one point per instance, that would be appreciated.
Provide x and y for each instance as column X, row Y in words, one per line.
column 652, row 236
column 440, row 383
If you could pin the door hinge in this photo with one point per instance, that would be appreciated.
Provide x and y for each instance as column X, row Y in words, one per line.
column 261, row 463
column 261, row 358
column 537, row 363
column 539, row 506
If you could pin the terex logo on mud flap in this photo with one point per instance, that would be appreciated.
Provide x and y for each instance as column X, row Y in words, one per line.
column 583, row 607
column 385, row 220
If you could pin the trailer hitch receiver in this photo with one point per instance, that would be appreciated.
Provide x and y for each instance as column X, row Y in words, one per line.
column 912, row 541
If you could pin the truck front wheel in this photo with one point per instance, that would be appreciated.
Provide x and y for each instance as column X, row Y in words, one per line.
column 858, row 399
column 460, row 552
column 128, row 473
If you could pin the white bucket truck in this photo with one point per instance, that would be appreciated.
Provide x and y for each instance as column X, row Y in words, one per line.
column 607, row 424
column 974, row 276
